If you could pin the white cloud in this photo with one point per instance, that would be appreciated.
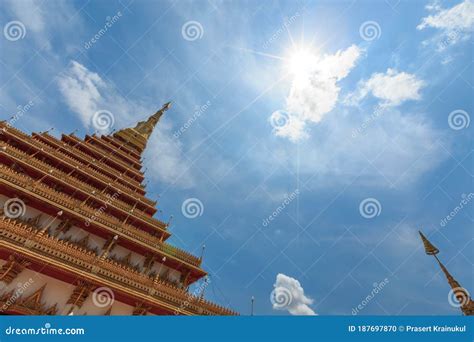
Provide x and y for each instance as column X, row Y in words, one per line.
column 165, row 160
column 30, row 13
column 315, row 93
column 85, row 93
column 459, row 17
column 80, row 88
column 42, row 18
column 392, row 87
column 434, row 6
column 455, row 24
column 293, row 127
column 288, row 294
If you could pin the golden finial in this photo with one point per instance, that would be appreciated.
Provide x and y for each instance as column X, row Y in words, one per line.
column 462, row 296
column 138, row 136
column 429, row 248
column 145, row 128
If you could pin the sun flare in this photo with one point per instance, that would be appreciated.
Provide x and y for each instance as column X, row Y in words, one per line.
column 301, row 62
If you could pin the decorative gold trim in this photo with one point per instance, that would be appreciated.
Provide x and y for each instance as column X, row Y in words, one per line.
column 80, row 294
column 87, row 214
column 12, row 269
column 84, row 264
column 86, row 161
column 86, row 170
column 86, row 189
column 138, row 136
column 109, row 156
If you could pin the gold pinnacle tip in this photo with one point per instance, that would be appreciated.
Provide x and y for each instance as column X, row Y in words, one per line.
column 430, row 249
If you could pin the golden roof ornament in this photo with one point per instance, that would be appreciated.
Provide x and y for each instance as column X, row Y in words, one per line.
column 429, row 248
column 460, row 293
column 138, row 136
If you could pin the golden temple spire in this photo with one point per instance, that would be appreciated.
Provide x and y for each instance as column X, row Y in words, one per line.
column 462, row 295
column 138, row 136
column 429, row 248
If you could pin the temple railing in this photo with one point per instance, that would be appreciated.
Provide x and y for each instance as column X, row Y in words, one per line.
column 108, row 146
column 27, row 240
column 93, row 216
column 110, row 156
column 90, row 172
column 86, row 159
column 88, row 189
column 117, row 143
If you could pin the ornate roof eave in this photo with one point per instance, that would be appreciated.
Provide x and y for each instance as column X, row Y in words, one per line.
column 140, row 238
column 61, row 178
column 86, row 170
column 68, row 258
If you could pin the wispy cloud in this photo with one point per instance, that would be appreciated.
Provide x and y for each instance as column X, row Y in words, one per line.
column 288, row 294
column 395, row 149
column 165, row 159
column 40, row 18
column 455, row 24
column 86, row 93
column 392, row 87
column 81, row 90
column 400, row 151
column 459, row 17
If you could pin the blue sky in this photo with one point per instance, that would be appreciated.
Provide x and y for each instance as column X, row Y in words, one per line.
column 299, row 110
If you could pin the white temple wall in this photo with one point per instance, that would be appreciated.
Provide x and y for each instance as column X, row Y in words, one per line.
column 58, row 291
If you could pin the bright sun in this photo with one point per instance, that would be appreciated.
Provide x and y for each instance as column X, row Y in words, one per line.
column 301, row 62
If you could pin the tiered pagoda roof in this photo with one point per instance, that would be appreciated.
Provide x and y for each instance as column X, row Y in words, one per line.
column 95, row 184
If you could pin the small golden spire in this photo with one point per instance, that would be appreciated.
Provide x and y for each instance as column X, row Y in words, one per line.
column 145, row 128
column 429, row 248
column 138, row 136
column 462, row 295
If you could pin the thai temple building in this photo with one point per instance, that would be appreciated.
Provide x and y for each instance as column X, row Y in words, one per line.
column 78, row 234
column 458, row 296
